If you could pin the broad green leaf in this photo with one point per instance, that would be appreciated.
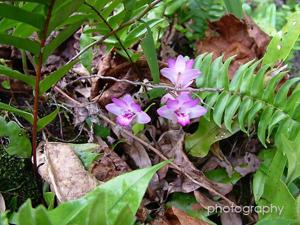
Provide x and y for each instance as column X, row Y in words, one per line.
column 223, row 81
column 283, row 42
column 214, row 72
column 265, row 120
column 292, row 102
column 257, row 106
column 268, row 94
column 43, row 122
column 245, row 107
column 87, row 153
column 231, row 109
column 281, row 96
column 122, row 191
column 19, row 144
column 276, row 221
column 137, row 128
column 148, row 46
column 17, row 75
column 220, row 107
column 22, row 43
column 238, row 76
column 49, row 198
column 291, row 149
column 221, row 176
column 26, row 115
column 276, row 192
column 45, row 2
column 98, row 130
column 259, row 179
column 277, row 117
column 234, row 7
column 203, row 64
column 258, row 82
column 28, row 215
column 186, row 203
column 198, row 144
column 55, row 76
column 18, row 14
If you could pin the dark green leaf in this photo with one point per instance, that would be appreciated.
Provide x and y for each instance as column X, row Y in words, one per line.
column 17, row 75
column 18, row 14
column 87, row 153
column 55, row 76
column 148, row 46
column 26, row 115
column 234, row 7
column 43, row 122
column 21, row 43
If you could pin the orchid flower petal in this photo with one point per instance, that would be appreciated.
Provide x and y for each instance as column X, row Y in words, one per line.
column 114, row 109
column 197, row 111
column 135, row 107
column 165, row 112
column 170, row 74
column 189, row 64
column 166, row 97
column 180, row 64
column 171, row 63
column 188, row 76
column 142, row 117
column 128, row 99
column 119, row 102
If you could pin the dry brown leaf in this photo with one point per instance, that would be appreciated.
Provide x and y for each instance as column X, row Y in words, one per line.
column 231, row 219
column 2, row 204
column 179, row 217
column 231, row 36
column 63, row 170
column 109, row 166
column 171, row 145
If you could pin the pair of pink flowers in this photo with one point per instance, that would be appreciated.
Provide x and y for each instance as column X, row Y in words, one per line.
column 179, row 109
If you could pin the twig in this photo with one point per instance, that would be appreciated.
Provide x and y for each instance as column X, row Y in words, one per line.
column 37, row 84
column 138, row 83
column 118, row 39
column 156, row 151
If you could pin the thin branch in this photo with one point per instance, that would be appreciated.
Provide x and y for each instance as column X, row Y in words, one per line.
column 156, row 151
column 37, row 83
column 138, row 83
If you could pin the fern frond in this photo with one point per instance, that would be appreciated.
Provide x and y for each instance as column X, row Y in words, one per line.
column 251, row 97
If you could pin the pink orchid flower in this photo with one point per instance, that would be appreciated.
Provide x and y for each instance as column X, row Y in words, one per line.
column 180, row 72
column 127, row 111
column 182, row 109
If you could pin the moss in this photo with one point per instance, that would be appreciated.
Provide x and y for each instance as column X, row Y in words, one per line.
column 17, row 181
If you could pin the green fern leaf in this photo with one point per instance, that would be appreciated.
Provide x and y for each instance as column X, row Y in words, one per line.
column 251, row 97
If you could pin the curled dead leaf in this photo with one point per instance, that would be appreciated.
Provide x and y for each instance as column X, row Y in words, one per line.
column 179, row 217
column 2, row 204
column 233, row 37
column 62, row 169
